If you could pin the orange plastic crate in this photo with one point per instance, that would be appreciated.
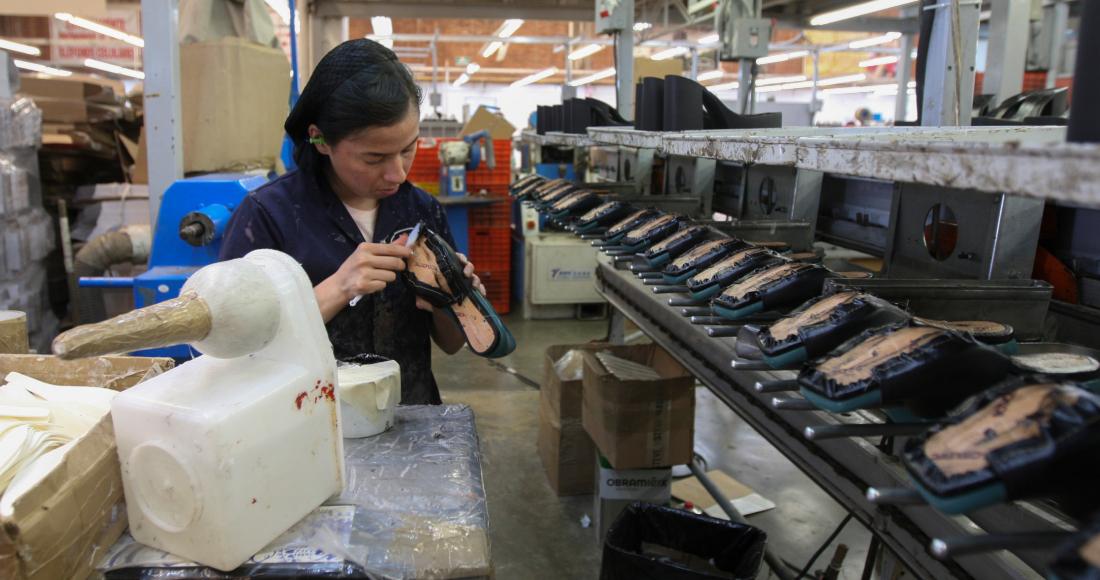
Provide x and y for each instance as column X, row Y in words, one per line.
column 491, row 248
column 498, row 290
column 496, row 214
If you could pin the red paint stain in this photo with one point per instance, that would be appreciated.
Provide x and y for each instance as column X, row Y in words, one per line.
column 301, row 397
column 329, row 393
column 253, row 500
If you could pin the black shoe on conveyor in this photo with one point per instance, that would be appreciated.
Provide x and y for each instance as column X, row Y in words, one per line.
column 618, row 231
column 1079, row 557
column 778, row 285
column 602, row 216
column 651, row 232
column 730, row 269
column 529, row 191
column 689, row 106
column 1029, row 438
column 1063, row 362
column 544, row 199
column 524, row 182
column 675, row 245
column 818, row 327
column 574, row 204
column 701, row 257
column 926, row 370
column 996, row 334
column 580, row 114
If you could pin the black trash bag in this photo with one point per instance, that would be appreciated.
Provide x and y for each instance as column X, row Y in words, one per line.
column 1079, row 557
column 730, row 550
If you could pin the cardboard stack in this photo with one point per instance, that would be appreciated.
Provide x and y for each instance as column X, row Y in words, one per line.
column 565, row 448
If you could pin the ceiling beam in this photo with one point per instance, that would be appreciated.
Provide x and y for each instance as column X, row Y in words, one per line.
column 528, row 10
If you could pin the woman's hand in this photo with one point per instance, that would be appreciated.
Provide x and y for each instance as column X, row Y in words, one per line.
column 468, row 272
column 366, row 271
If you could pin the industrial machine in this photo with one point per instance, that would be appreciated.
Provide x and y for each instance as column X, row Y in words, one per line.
column 193, row 215
column 458, row 157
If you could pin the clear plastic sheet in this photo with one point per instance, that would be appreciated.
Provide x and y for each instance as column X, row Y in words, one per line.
column 413, row 507
column 570, row 366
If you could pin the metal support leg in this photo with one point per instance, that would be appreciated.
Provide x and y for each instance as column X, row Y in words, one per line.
column 904, row 72
column 163, row 137
column 1009, row 25
column 949, row 79
column 624, row 64
column 1057, row 42
column 616, row 327
column 744, row 77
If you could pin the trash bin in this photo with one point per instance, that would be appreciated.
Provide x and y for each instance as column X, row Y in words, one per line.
column 656, row 542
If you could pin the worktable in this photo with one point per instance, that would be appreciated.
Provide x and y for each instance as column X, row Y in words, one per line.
column 413, row 506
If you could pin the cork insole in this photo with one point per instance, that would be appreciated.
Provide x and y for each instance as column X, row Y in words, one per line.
column 697, row 252
column 600, row 209
column 622, row 225
column 859, row 363
column 1056, row 363
column 740, row 290
column 975, row 327
column 706, row 276
column 788, row 327
column 1014, row 417
column 674, row 238
column 649, row 227
column 475, row 326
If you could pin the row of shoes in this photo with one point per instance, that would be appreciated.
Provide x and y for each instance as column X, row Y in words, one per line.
column 674, row 103
column 990, row 425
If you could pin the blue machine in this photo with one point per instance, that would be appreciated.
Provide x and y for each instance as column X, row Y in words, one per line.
column 192, row 218
column 455, row 159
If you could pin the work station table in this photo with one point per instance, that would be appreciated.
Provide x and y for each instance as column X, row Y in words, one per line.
column 413, row 506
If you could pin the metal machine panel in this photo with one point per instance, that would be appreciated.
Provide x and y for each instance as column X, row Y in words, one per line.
column 778, row 192
column 636, row 165
column 561, row 270
column 854, row 212
column 691, row 176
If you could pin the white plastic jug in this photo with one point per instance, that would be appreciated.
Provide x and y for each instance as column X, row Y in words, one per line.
column 368, row 396
column 224, row 453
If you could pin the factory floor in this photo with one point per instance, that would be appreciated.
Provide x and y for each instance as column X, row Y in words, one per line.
column 537, row 535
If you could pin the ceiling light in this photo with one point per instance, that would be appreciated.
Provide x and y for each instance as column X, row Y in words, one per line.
column 586, row 51
column 768, row 89
column 42, row 69
column 461, row 80
column 911, row 84
column 16, row 47
column 857, row 10
column 779, row 80
column 911, row 91
column 640, row 26
column 852, row 90
column 112, row 68
column 840, row 80
column 493, row 46
column 888, row 37
column 725, row 87
column 782, row 57
column 710, row 75
column 535, row 77
column 677, row 51
column 96, row 27
column 878, row 61
column 510, row 27
column 709, row 39
column 382, row 25
column 801, row 85
column 600, row 75
column 472, row 68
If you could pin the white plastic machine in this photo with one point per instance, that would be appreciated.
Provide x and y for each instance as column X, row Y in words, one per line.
column 559, row 275
column 225, row 452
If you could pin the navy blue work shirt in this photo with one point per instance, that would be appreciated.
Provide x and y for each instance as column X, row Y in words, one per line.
column 299, row 214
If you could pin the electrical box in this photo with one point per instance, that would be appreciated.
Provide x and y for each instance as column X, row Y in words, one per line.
column 746, row 38
column 561, row 270
column 614, row 16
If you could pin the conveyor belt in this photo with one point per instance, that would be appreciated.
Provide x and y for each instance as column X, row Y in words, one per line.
column 844, row 468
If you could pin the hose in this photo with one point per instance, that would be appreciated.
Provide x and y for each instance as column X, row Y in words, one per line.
column 126, row 244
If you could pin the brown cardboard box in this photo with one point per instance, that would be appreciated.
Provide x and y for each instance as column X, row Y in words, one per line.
column 640, row 424
column 60, row 528
column 234, row 97
column 564, row 446
column 75, row 99
column 483, row 118
column 647, row 67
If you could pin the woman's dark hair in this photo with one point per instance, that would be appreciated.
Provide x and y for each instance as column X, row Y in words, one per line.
column 359, row 84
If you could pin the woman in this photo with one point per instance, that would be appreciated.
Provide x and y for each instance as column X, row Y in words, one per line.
column 345, row 213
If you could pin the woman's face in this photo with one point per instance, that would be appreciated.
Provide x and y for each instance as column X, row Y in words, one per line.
column 372, row 163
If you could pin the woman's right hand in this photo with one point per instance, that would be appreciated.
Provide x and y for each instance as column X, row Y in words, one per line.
column 366, row 271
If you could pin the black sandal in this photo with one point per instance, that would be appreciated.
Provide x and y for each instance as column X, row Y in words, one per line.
column 730, row 269
column 699, row 258
column 676, row 244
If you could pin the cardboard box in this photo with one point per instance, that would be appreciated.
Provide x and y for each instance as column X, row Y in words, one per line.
column 566, row 452
column 234, row 99
column 618, row 488
column 62, row 527
column 564, row 397
column 640, row 424
column 76, row 98
column 483, row 118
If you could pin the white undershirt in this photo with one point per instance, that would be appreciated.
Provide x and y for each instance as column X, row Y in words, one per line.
column 365, row 220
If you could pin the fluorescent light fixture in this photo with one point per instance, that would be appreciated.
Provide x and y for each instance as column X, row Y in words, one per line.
column 472, row 68
column 725, row 87
column 888, row 37
column 640, row 26
column 841, row 80
column 857, row 10
column 769, row 89
column 96, row 27
column 42, row 69
column 586, row 51
column 709, row 39
column 676, row 51
column 534, row 78
column 493, row 46
column 710, row 75
column 114, row 69
column 382, row 25
column 878, row 61
column 600, row 75
column 779, row 80
column 911, row 84
column 510, row 27
column 461, row 80
column 801, row 85
column 782, row 57
column 853, row 90
column 911, row 91
column 21, row 48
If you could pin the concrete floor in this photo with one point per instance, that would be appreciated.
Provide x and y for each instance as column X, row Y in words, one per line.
column 537, row 535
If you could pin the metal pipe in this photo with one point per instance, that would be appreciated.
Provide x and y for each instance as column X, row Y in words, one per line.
column 679, row 302
column 723, row 331
column 822, row 432
column 789, row 404
column 948, row 548
column 699, row 311
column 776, row 386
column 669, row 289
column 894, row 496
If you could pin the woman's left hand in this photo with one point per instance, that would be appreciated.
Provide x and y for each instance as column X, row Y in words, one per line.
column 468, row 272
